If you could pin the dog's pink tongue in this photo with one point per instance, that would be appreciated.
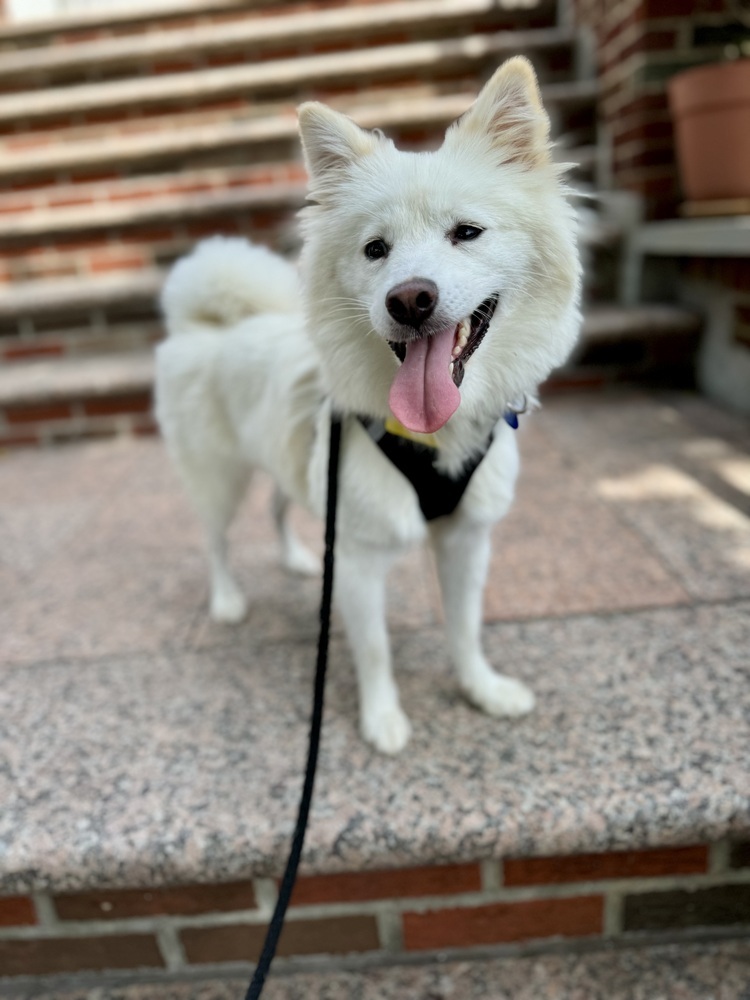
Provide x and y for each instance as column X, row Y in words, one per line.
column 423, row 394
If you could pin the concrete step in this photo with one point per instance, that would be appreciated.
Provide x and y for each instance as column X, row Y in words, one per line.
column 32, row 300
column 259, row 37
column 645, row 343
column 435, row 59
column 49, row 384
column 609, row 323
column 75, row 26
column 170, row 141
column 174, row 198
column 72, row 398
column 152, row 760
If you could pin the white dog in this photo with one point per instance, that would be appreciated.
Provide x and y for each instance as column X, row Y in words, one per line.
column 441, row 288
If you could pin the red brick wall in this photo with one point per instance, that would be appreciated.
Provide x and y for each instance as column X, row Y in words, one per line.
column 385, row 914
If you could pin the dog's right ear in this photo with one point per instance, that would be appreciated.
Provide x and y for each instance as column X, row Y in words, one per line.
column 331, row 142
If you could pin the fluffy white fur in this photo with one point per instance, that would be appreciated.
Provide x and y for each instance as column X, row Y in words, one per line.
column 245, row 380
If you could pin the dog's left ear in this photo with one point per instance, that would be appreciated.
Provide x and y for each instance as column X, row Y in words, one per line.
column 509, row 113
column 331, row 142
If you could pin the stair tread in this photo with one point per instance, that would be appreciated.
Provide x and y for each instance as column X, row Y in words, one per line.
column 285, row 29
column 615, row 322
column 278, row 74
column 168, row 207
column 28, row 381
column 62, row 378
column 18, row 32
column 399, row 107
column 113, row 204
column 39, row 298
column 204, row 727
column 688, row 971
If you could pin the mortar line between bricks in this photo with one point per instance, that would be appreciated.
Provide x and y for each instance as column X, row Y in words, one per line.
column 625, row 886
column 718, row 857
column 45, row 910
column 170, row 946
column 491, row 873
column 613, row 913
column 390, row 929
column 266, row 894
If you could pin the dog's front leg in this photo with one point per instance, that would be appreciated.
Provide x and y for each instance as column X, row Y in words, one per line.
column 360, row 596
column 462, row 549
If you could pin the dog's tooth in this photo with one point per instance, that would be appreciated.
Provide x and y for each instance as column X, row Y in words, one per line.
column 456, row 351
column 452, row 366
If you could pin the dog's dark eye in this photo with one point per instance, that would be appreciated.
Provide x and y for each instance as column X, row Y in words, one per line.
column 376, row 249
column 463, row 233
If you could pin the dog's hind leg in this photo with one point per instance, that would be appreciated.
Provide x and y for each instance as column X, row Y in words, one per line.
column 360, row 579
column 216, row 485
column 294, row 555
column 462, row 549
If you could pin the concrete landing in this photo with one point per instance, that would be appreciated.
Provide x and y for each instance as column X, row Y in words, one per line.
column 143, row 745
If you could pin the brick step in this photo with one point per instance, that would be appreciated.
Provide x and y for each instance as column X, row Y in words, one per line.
column 260, row 37
column 600, row 819
column 73, row 317
column 65, row 399
column 33, row 300
column 446, row 58
column 170, row 141
column 125, row 203
column 55, row 390
column 78, row 26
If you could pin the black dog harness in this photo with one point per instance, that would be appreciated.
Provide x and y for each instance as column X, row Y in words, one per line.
column 438, row 493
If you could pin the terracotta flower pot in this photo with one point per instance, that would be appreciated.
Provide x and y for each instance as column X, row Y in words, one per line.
column 710, row 107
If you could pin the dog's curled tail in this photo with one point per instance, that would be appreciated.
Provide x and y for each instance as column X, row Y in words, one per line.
column 225, row 280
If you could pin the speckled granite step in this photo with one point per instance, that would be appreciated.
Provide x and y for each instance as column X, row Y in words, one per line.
column 145, row 748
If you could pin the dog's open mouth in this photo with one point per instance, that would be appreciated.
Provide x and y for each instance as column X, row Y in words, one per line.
column 424, row 394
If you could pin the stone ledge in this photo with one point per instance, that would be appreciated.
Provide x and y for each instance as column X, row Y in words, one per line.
column 551, row 784
column 631, row 620
column 719, row 237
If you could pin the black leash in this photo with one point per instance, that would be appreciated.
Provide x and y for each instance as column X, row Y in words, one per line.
column 276, row 925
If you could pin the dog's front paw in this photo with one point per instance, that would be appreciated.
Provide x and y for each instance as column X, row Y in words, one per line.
column 501, row 696
column 388, row 730
column 228, row 606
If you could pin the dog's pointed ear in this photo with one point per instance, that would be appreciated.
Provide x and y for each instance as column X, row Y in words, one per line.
column 330, row 141
column 509, row 113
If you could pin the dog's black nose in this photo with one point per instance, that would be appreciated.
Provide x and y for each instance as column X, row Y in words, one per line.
column 412, row 302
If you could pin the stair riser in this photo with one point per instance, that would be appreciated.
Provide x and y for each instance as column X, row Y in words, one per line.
column 682, row 892
column 241, row 50
column 89, row 418
column 459, row 55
